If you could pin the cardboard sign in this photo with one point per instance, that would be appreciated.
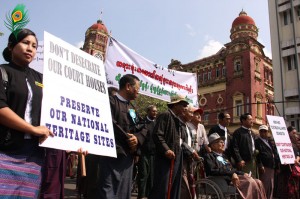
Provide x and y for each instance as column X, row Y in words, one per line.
column 75, row 104
column 282, row 139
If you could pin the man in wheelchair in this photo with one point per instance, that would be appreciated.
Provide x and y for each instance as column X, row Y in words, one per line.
column 217, row 164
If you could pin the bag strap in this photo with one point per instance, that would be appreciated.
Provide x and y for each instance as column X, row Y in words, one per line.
column 4, row 77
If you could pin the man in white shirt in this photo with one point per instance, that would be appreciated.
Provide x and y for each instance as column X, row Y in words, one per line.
column 200, row 141
column 221, row 129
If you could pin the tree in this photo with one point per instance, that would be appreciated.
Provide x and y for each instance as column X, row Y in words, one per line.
column 143, row 101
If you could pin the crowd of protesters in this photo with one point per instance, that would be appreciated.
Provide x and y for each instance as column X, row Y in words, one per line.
column 163, row 146
column 167, row 144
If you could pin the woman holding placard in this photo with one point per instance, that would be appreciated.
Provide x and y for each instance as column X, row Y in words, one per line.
column 21, row 158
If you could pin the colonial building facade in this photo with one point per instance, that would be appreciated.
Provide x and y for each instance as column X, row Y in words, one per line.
column 237, row 79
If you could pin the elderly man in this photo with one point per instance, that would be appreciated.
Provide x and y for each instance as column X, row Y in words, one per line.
column 200, row 141
column 217, row 164
column 266, row 161
column 169, row 133
column 189, row 154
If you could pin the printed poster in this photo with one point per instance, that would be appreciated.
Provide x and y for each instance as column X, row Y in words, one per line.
column 75, row 104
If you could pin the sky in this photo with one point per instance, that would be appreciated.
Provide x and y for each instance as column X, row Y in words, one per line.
column 159, row 30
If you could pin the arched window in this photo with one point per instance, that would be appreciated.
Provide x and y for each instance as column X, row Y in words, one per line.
column 238, row 106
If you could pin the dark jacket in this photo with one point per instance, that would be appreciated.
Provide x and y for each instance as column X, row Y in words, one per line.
column 242, row 145
column 123, row 124
column 216, row 129
column 167, row 133
column 148, row 147
column 215, row 167
column 15, row 97
column 266, row 154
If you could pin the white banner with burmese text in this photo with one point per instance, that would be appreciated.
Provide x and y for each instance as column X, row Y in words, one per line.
column 155, row 80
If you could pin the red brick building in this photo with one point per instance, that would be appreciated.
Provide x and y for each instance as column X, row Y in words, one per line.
column 237, row 79
column 96, row 38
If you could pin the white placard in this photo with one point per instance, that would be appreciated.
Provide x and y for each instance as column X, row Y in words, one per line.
column 75, row 100
column 282, row 139
column 38, row 61
column 155, row 81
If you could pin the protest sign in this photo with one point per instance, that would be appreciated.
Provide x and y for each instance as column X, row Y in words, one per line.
column 282, row 139
column 75, row 104
column 38, row 61
column 156, row 81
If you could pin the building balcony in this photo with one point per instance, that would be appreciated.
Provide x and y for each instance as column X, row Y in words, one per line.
column 290, row 93
column 295, row 110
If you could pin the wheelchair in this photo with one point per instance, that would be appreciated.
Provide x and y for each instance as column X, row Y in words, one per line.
column 211, row 187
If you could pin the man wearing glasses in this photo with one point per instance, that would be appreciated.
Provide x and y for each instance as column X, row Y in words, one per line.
column 115, row 174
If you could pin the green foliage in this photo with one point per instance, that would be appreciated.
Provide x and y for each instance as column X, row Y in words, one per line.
column 143, row 101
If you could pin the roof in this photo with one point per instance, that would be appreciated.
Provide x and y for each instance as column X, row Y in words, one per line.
column 243, row 18
column 99, row 26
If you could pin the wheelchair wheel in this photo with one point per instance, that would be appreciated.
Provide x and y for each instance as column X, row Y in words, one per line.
column 207, row 189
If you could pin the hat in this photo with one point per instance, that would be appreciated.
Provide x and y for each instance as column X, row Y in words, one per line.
column 198, row 110
column 263, row 127
column 177, row 98
column 213, row 137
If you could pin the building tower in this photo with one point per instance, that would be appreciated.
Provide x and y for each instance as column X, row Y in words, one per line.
column 284, row 18
column 96, row 38
column 237, row 79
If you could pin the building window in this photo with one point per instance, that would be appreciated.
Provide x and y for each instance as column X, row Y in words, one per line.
column 199, row 78
column 298, row 12
column 257, row 68
column 224, row 71
column 238, row 107
column 204, row 77
column 291, row 60
column 291, row 16
column 217, row 72
column 289, row 63
column 287, row 17
column 209, row 75
column 267, row 77
column 237, row 65
column 206, row 116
